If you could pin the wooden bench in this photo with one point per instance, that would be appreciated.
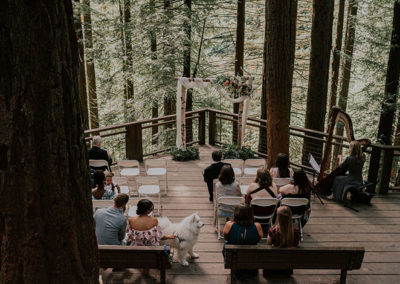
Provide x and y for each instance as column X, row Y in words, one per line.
column 136, row 257
column 267, row 257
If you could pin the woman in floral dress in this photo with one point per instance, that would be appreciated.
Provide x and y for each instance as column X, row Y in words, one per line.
column 144, row 229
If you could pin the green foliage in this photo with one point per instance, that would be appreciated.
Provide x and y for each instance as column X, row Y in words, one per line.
column 188, row 154
column 230, row 151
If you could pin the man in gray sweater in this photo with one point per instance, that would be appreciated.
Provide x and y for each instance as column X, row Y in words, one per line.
column 111, row 223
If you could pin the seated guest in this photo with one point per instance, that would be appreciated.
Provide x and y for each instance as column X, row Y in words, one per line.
column 264, row 182
column 110, row 185
column 143, row 228
column 96, row 153
column 100, row 192
column 283, row 235
column 212, row 172
column 354, row 165
column 282, row 169
column 111, row 223
column 226, row 186
column 299, row 188
column 243, row 231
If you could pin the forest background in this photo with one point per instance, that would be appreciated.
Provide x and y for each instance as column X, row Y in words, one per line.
column 137, row 48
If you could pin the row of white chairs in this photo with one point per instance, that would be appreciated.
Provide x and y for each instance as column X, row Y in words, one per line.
column 264, row 209
column 146, row 185
column 247, row 168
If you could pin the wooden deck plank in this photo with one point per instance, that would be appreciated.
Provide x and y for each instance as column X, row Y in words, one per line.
column 376, row 228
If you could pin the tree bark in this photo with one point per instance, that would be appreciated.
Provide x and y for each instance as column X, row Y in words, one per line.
column 280, row 31
column 130, row 115
column 239, row 56
column 46, row 218
column 187, row 27
column 82, row 73
column 153, row 48
column 262, row 138
column 346, row 72
column 321, row 41
column 336, row 55
column 90, row 70
column 392, row 82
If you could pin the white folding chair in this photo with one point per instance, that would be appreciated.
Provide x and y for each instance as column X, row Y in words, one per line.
column 237, row 165
column 251, row 166
column 123, row 184
column 280, row 182
column 226, row 200
column 299, row 207
column 99, row 164
column 264, row 209
column 157, row 167
column 128, row 168
column 148, row 185
column 244, row 183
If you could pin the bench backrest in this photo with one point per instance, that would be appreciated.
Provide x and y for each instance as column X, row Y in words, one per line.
column 267, row 257
column 134, row 257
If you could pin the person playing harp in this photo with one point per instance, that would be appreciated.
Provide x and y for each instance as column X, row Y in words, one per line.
column 353, row 164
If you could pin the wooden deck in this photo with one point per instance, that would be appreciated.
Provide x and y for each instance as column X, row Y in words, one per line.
column 377, row 228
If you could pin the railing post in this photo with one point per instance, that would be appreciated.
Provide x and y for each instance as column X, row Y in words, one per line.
column 374, row 168
column 202, row 127
column 133, row 142
column 386, row 170
column 212, row 127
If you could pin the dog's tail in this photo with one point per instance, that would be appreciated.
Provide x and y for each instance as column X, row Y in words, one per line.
column 164, row 222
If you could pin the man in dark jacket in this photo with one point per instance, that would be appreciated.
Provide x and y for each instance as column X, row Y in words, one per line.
column 96, row 153
column 212, row 171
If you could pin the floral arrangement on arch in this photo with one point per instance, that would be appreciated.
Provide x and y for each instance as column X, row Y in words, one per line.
column 236, row 85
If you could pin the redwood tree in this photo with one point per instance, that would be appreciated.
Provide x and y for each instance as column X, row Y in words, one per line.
column 346, row 71
column 280, row 25
column 336, row 55
column 321, row 41
column 46, row 224
column 90, row 70
column 239, row 55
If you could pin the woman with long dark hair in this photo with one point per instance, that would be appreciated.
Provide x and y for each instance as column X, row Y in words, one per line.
column 226, row 186
column 300, row 187
column 243, row 231
column 282, row 169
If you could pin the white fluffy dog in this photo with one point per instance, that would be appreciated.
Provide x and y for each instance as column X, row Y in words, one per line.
column 186, row 232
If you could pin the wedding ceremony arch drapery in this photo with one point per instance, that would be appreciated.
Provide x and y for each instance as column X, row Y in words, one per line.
column 185, row 83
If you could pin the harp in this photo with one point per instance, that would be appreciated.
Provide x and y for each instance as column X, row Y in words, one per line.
column 336, row 115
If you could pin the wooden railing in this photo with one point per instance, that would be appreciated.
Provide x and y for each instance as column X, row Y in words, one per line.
column 382, row 172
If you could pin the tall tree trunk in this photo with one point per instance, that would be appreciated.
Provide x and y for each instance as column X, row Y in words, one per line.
column 336, row 55
column 239, row 55
column 391, row 87
column 90, row 70
column 82, row 73
column 321, row 41
column 262, row 139
column 187, row 26
column 169, row 100
column 397, row 143
column 47, row 229
column 127, row 68
column 392, row 82
column 280, row 26
column 346, row 71
column 153, row 48
column 129, row 61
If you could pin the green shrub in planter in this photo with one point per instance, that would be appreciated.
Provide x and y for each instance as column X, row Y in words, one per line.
column 190, row 153
column 230, row 151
